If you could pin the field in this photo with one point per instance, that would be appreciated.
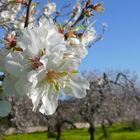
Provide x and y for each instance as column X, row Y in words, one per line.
column 116, row 132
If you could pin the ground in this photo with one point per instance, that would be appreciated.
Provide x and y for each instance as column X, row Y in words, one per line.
column 116, row 132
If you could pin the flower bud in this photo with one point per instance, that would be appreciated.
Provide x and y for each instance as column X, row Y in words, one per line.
column 98, row 7
column 49, row 9
column 11, row 39
column 23, row 2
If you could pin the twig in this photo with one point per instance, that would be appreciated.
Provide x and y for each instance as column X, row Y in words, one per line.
column 82, row 13
column 66, row 5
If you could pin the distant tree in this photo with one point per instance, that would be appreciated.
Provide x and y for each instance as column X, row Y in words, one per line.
column 107, row 100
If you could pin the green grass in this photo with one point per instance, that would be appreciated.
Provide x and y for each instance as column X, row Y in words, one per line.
column 126, row 136
column 116, row 132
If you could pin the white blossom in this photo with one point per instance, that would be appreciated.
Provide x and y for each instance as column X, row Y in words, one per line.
column 41, row 61
column 50, row 81
column 89, row 36
column 9, row 14
column 5, row 108
column 76, row 10
column 3, row 53
column 39, row 45
column 50, row 8
column 40, row 71
column 76, row 48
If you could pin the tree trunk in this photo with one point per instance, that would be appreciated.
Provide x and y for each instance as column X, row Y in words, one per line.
column 104, row 130
column 58, row 127
column 106, row 134
column 92, row 132
column 51, row 133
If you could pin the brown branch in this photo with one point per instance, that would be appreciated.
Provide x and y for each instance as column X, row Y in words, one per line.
column 28, row 14
column 66, row 5
column 82, row 13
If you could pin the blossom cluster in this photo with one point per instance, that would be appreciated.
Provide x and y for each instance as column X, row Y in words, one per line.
column 41, row 60
column 9, row 14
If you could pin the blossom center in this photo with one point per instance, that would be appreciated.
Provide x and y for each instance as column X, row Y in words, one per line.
column 35, row 61
column 52, row 75
column 57, row 79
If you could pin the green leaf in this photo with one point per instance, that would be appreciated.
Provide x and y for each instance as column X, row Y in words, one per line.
column 81, row 26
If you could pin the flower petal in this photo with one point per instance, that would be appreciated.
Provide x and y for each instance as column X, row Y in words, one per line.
column 77, row 87
column 8, row 87
column 49, row 102
column 14, row 64
column 3, row 53
column 5, row 108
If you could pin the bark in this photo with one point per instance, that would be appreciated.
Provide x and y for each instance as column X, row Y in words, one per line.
column 104, row 130
column 51, row 133
column 92, row 131
column 28, row 14
column 58, row 127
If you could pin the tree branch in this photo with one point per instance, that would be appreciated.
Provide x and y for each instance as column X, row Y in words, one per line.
column 28, row 14
column 82, row 13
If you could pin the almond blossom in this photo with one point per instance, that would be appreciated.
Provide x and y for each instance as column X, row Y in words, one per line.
column 41, row 56
column 12, row 8
column 5, row 108
column 47, row 84
column 78, row 47
column 35, row 46
column 49, row 8
column 41, row 70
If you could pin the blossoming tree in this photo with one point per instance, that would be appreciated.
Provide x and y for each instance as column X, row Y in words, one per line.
column 40, row 53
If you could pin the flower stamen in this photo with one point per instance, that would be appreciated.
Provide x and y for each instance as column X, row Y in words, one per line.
column 57, row 79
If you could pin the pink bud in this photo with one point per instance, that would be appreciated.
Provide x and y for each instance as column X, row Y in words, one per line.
column 11, row 39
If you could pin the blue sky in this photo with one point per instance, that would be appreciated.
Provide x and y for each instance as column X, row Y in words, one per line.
column 120, row 48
